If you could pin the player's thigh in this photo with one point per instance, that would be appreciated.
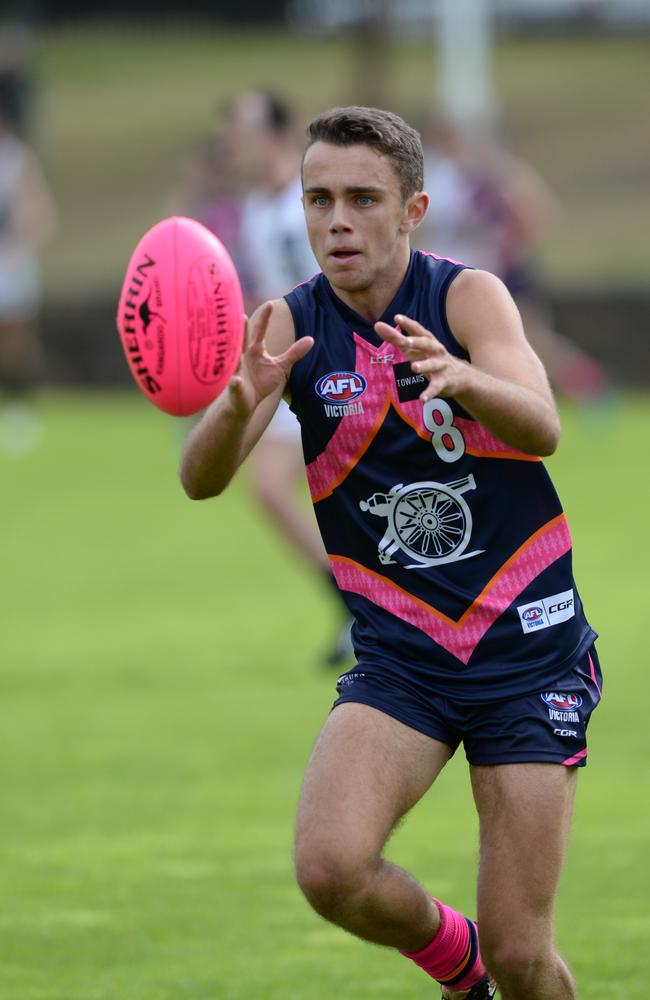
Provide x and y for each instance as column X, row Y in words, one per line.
column 525, row 817
column 366, row 771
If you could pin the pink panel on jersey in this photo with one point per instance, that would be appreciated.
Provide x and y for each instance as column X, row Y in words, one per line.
column 460, row 638
column 478, row 440
column 343, row 450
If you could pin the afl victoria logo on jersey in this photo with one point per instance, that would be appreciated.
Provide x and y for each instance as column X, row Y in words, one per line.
column 341, row 387
column 341, row 392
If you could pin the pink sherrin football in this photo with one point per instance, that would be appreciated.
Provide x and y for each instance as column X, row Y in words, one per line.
column 180, row 316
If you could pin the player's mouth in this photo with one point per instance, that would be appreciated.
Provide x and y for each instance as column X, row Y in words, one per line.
column 344, row 254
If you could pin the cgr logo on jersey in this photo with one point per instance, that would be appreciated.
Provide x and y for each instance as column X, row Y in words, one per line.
column 547, row 611
column 341, row 392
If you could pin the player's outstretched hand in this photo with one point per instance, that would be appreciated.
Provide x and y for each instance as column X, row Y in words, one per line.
column 259, row 373
column 447, row 374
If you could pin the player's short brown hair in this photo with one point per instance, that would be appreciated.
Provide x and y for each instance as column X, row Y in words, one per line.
column 383, row 131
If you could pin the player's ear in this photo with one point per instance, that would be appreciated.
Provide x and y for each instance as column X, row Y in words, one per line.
column 415, row 208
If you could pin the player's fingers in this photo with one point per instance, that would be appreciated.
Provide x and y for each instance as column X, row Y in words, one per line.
column 414, row 328
column 260, row 325
column 426, row 346
column 239, row 399
column 247, row 335
column 235, row 388
column 430, row 365
column 296, row 351
column 390, row 334
column 301, row 348
column 435, row 388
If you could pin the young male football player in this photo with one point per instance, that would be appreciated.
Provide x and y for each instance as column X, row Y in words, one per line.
column 423, row 412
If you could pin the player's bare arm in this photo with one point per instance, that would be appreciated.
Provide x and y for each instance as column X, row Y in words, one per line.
column 504, row 386
column 232, row 425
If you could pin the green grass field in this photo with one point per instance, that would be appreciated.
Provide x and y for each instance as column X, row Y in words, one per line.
column 160, row 695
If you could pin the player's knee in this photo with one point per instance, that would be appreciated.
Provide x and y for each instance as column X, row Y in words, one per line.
column 330, row 881
column 512, row 960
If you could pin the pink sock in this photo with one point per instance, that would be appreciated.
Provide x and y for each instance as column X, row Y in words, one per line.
column 453, row 957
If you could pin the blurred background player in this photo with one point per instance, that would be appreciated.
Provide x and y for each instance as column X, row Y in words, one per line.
column 212, row 192
column 244, row 185
column 265, row 148
column 491, row 210
column 27, row 217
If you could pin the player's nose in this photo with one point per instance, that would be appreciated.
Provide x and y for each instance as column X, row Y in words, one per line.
column 339, row 221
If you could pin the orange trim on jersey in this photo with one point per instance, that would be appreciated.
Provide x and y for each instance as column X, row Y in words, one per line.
column 425, row 434
column 403, row 415
column 395, row 586
column 518, row 456
column 516, row 555
column 325, row 465
column 492, row 582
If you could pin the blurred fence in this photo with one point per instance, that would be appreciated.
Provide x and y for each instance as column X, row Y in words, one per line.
column 223, row 11
column 83, row 347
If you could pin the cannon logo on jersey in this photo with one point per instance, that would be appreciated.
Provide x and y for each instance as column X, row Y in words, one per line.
column 428, row 522
column 342, row 393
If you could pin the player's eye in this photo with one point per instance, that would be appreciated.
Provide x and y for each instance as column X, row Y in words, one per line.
column 365, row 199
column 319, row 200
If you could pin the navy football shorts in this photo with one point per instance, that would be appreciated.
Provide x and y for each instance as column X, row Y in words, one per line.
column 548, row 726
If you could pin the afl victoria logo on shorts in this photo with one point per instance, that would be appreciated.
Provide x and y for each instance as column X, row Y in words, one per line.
column 562, row 702
column 562, row 707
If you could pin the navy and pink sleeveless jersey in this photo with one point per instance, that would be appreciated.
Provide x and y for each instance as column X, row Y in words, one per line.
column 450, row 546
